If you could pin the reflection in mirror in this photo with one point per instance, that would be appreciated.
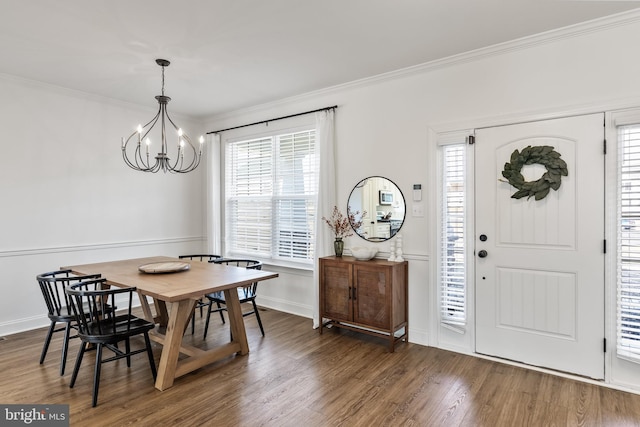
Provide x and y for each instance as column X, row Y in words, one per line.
column 380, row 205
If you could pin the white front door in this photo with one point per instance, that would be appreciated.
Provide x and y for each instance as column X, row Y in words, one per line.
column 540, row 263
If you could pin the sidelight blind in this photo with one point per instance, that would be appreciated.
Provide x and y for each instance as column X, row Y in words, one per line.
column 271, row 185
column 453, row 239
column 628, row 226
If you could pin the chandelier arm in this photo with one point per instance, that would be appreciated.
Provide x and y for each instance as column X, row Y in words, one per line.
column 140, row 160
column 195, row 161
column 137, row 165
column 195, row 157
column 146, row 165
column 141, row 164
column 136, row 154
column 151, row 122
column 180, row 159
column 124, row 150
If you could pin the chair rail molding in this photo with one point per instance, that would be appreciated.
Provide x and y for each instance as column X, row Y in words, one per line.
column 99, row 246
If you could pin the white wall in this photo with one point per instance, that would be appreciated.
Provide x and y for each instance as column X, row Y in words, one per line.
column 67, row 197
column 388, row 126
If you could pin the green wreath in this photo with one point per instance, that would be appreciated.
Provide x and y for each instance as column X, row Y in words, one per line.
column 543, row 155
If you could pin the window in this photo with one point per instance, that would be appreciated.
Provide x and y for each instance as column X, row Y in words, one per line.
column 271, row 184
column 453, row 239
column 628, row 228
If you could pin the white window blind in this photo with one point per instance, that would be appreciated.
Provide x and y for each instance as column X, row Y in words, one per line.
column 271, row 186
column 453, row 240
column 628, row 263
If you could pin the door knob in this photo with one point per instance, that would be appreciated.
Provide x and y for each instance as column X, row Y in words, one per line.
column 482, row 253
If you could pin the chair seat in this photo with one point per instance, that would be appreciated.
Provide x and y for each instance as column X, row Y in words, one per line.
column 70, row 316
column 122, row 327
column 62, row 317
column 243, row 296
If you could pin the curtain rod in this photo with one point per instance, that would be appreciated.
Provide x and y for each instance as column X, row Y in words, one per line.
column 273, row 120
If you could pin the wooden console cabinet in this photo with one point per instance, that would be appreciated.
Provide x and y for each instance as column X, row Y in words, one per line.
column 365, row 296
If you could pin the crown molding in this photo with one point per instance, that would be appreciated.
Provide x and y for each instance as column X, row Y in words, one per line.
column 547, row 37
column 88, row 96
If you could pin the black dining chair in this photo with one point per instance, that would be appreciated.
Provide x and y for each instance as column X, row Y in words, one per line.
column 99, row 326
column 201, row 303
column 52, row 286
column 246, row 294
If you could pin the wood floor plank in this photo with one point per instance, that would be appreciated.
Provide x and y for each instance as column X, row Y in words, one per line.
column 296, row 377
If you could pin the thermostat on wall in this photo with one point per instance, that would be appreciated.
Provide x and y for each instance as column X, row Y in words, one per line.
column 417, row 192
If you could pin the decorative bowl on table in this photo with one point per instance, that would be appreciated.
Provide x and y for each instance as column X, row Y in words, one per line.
column 362, row 253
column 164, row 267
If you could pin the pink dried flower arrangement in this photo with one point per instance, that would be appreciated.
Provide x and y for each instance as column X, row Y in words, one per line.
column 343, row 226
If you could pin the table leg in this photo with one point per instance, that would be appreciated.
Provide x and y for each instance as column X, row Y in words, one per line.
column 236, row 321
column 161, row 312
column 146, row 308
column 179, row 315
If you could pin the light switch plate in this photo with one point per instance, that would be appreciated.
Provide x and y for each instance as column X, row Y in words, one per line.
column 418, row 210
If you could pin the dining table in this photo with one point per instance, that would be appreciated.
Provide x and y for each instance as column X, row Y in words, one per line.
column 175, row 285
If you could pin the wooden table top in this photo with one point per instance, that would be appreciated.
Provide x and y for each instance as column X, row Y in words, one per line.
column 201, row 278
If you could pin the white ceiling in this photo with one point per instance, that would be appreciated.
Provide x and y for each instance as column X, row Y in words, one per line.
column 228, row 55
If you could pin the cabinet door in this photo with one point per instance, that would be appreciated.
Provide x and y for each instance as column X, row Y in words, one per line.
column 371, row 303
column 337, row 283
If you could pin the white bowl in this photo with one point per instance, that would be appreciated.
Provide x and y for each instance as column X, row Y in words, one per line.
column 363, row 253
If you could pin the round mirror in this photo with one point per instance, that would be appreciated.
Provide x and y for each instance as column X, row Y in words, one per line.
column 377, row 209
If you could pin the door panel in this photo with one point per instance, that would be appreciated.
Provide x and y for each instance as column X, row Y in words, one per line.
column 536, row 301
column 547, row 223
column 540, row 287
column 336, row 292
column 372, row 300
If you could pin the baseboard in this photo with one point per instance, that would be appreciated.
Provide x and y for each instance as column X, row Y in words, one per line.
column 418, row 336
column 277, row 304
column 23, row 325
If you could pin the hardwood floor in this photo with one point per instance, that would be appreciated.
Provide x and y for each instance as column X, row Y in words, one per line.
column 296, row 377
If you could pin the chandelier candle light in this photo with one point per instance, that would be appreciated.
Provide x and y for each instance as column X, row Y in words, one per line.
column 141, row 162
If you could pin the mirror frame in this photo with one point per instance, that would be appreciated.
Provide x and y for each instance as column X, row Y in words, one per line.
column 361, row 184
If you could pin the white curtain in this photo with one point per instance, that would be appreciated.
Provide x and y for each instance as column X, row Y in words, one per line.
column 212, row 188
column 325, row 140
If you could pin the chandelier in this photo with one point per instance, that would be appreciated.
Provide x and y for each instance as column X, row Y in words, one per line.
column 187, row 157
